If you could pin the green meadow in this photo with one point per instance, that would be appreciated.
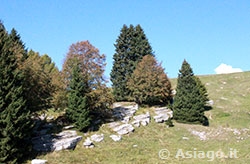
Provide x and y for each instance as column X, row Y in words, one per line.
column 225, row 140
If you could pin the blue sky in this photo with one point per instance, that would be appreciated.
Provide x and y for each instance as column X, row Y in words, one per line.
column 206, row 33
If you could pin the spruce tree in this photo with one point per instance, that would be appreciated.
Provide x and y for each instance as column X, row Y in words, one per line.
column 188, row 106
column 131, row 45
column 15, row 123
column 78, row 108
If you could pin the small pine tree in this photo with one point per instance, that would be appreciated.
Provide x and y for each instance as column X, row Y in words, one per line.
column 77, row 111
column 188, row 106
column 15, row 122
column 149, row 84
column 131, row 45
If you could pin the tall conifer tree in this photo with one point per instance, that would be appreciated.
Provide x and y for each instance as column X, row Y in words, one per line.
column 15, row 123
column 189, row 103
column 78, row 108
column 131, row 45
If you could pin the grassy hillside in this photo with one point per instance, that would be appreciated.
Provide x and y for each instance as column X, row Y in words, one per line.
column 229, row 130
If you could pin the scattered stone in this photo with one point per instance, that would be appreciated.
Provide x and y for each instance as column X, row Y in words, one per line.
column 97, row 138
column 236, row 132
column 162, row 114
column 38, row 161
column 124, row 129
column 185, row 138
column 88, row 143
column 174, row 92
column 116, row 137
column 144, row 119
column 210, row 102
column 144, row 123
column 223, row 98
column 201, row 135
column 68, row 127
column 66, row 140
column 49, row 142
column 135, row 145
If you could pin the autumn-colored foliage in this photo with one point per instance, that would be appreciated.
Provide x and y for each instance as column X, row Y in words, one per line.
column 91, row 61
column 40, row 80
column 91, row 64
column 149, row 83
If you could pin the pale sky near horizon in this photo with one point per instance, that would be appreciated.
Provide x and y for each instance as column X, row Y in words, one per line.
column 207, row 33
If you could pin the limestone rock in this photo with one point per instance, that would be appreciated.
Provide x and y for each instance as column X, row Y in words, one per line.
column 120, row 112
column 97, row 138
column 68, row 127
column 162, row 114
column 67, row 143
column 124, row 129
column 88, row 143
column 64, row 140
column 114, row 124
column 144, row 119
column 116, row 137
column 38, row 161
column 136, row 123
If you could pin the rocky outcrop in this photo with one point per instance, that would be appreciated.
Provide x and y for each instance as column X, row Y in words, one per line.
column 120, row 112
column 162, row 114
column 142, row 119
column 124, row 129
column 64, row 140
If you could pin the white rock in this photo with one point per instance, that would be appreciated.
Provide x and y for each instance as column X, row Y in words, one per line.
column 68, row 127
column 116, row 137
column 97, row 138
column 144, row 119
column 114, row 124
column 68, row 143
column 162, row 114
column 126, row 119
column 201, row 135
column 38, row 161
column 63, row 140
column 144, row 123
column 88, row 143
column 124, row 129
column 210, row 102
column 185, row 138
column 136, row 123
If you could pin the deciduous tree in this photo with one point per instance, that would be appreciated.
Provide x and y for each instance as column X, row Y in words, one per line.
column 40, row 80
column 92, row 65
column 149, row 83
